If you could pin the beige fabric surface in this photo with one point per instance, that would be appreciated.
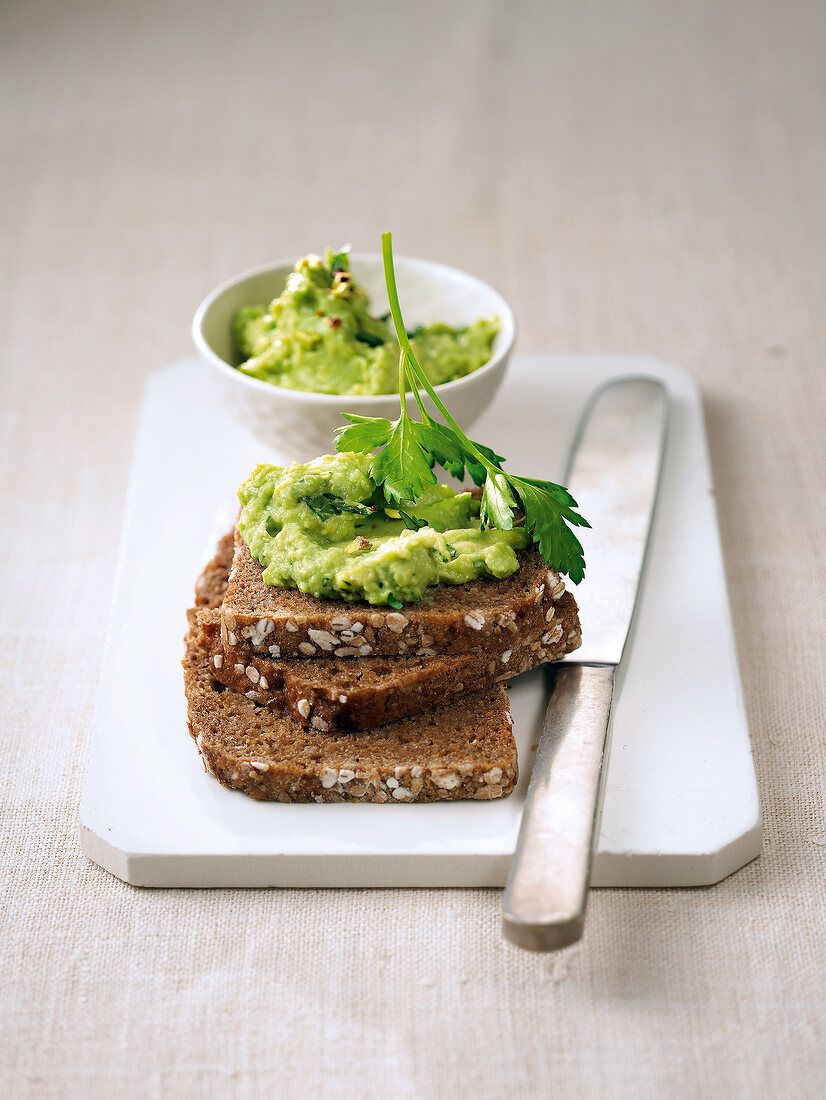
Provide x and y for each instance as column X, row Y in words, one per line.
column 633, row 177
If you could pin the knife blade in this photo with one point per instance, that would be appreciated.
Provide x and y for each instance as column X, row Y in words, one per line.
column 614, row 474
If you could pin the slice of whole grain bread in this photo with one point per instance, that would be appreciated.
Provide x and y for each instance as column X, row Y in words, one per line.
column 463, row 750
column 326, row 692
column 484, row 615
column 330, row 692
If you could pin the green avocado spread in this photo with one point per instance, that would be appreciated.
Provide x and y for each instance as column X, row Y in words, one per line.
column 325, row 529
column 319, row 336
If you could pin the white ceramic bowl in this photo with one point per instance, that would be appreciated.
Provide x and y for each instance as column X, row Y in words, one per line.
column 299, row 426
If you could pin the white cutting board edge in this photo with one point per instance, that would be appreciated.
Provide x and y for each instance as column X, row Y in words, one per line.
column 681, row 802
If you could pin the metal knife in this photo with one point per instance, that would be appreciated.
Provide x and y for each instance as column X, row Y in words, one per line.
column 613, row 473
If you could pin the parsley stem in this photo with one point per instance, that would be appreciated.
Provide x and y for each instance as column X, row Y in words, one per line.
column 418, row 376
column 419, row 401
column 404, row 371
column 402, row 386
column 422, row 377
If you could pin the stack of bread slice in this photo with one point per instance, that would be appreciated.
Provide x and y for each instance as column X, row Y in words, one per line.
column 300, row 699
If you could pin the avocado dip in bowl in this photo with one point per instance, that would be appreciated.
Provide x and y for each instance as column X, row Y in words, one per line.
column 272, row 333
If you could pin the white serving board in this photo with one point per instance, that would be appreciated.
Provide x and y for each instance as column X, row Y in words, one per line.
column 681, row 804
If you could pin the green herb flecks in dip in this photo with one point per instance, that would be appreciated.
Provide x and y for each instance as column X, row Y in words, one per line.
column 319, row 336
column 325, row 529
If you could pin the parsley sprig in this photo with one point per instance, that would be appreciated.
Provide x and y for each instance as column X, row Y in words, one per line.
column 408, row 450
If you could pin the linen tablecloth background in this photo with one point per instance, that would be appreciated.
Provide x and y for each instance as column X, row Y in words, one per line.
column 633, row 177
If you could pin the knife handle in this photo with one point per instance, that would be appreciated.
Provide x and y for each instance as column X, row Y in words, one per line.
column 544, row 902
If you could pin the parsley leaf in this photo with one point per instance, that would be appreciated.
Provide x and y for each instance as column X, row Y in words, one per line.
column 498, row 502
column 370, row 339
column 325, row 506
column 403, row 468
column 444, row 446
column 449, row 452
column 364, row 434
column 546, row 507
column 412, row 523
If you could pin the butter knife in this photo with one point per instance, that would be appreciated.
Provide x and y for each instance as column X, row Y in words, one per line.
column 613, row 474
